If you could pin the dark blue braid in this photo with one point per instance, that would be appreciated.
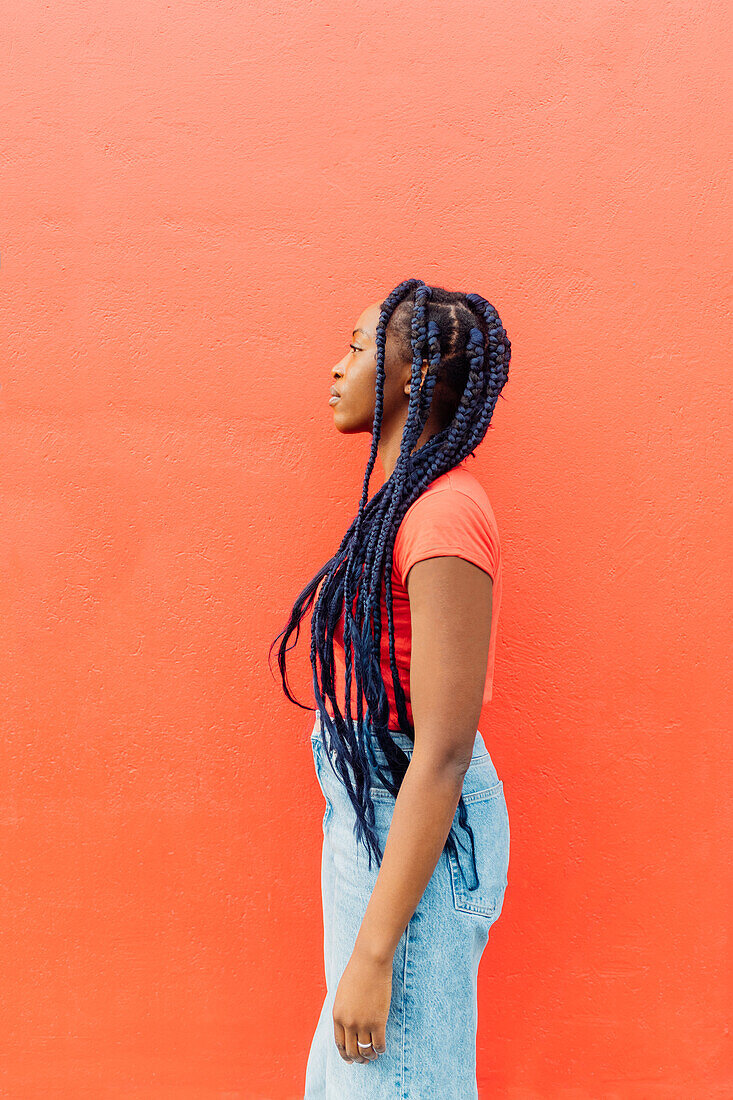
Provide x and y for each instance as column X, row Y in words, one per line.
column 472, row 375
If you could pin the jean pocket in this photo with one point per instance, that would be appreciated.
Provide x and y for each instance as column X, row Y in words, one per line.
column 317, row 746
column 487, row 815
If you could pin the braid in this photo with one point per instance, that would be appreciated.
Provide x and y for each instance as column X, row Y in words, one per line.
column 468, row 354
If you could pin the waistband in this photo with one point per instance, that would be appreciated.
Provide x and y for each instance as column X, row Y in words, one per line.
column 401, row 739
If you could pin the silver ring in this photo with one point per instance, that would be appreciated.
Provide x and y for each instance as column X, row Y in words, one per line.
column 362, row 1044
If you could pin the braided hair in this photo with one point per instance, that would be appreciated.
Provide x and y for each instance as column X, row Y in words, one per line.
column 468, row 352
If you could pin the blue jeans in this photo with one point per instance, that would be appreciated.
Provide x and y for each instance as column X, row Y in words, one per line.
column 433, row 1015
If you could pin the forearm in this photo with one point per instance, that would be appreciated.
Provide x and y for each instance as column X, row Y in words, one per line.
column 424, row 809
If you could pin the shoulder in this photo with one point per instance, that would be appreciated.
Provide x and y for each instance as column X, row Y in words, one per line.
column 453, row 516
column 457, row 493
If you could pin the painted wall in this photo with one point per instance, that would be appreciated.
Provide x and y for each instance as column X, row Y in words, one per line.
column 198, row 201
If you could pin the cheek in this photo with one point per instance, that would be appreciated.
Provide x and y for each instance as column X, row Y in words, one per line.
column 362, row 390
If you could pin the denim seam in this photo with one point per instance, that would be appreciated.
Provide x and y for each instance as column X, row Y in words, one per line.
column 332, row 872
column 486, row 794
column 319, row 766
column 381, row 794
column 403, row 1068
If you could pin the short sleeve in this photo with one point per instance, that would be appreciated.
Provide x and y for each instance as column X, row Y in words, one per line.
column 446, row 522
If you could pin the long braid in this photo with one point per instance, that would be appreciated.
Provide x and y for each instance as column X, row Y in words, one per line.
column 350, row 583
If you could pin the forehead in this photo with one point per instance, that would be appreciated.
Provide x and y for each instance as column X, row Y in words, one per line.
column 366, row 324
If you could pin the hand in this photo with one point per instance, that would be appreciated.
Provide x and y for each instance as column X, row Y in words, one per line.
column 361, row 1007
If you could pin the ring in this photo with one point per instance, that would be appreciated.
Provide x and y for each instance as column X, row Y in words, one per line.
column 362, row 1044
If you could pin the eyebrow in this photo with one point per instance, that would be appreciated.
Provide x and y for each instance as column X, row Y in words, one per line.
column 361, row 330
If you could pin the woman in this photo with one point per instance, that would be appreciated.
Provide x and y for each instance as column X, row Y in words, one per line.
column 416, row 832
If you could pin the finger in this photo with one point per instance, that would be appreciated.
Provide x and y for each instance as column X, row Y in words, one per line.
column 365, row 1038
column 339, row 1037
column 379, row 1041
column 351, row 1048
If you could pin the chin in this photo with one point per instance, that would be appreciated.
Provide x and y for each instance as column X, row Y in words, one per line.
column 346, row 427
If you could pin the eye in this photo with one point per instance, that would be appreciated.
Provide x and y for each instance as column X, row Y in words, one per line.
column 354, row 348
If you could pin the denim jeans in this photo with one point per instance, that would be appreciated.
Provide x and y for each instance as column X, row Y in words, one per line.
column 433, row 1015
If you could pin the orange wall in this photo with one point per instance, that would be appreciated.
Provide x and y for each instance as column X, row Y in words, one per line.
column 199, row 200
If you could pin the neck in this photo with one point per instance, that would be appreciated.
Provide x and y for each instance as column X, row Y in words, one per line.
column 390, row 441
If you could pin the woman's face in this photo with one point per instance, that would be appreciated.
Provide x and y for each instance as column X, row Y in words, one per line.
column 355, row 380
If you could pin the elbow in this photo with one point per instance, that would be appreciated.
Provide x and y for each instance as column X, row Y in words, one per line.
column 442, row 764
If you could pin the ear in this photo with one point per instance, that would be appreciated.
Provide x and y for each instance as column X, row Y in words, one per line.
column 423, row 371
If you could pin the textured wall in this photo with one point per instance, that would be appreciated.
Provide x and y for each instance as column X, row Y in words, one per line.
column 198, row 201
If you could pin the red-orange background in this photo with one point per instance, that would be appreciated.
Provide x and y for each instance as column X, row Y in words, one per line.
column 199, row 200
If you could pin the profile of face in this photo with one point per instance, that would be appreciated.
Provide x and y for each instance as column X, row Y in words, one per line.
column 355, row 380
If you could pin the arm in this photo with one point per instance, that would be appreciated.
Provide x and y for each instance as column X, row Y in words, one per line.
column 450, row 606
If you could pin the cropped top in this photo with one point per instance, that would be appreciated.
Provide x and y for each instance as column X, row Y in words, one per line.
column 452, row 517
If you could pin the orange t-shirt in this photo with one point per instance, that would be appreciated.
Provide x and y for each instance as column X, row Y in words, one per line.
column 452, row 517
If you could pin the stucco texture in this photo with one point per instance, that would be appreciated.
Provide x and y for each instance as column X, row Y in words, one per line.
column 198, row 202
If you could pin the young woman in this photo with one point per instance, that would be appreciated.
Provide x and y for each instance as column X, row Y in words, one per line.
column 403, row 635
